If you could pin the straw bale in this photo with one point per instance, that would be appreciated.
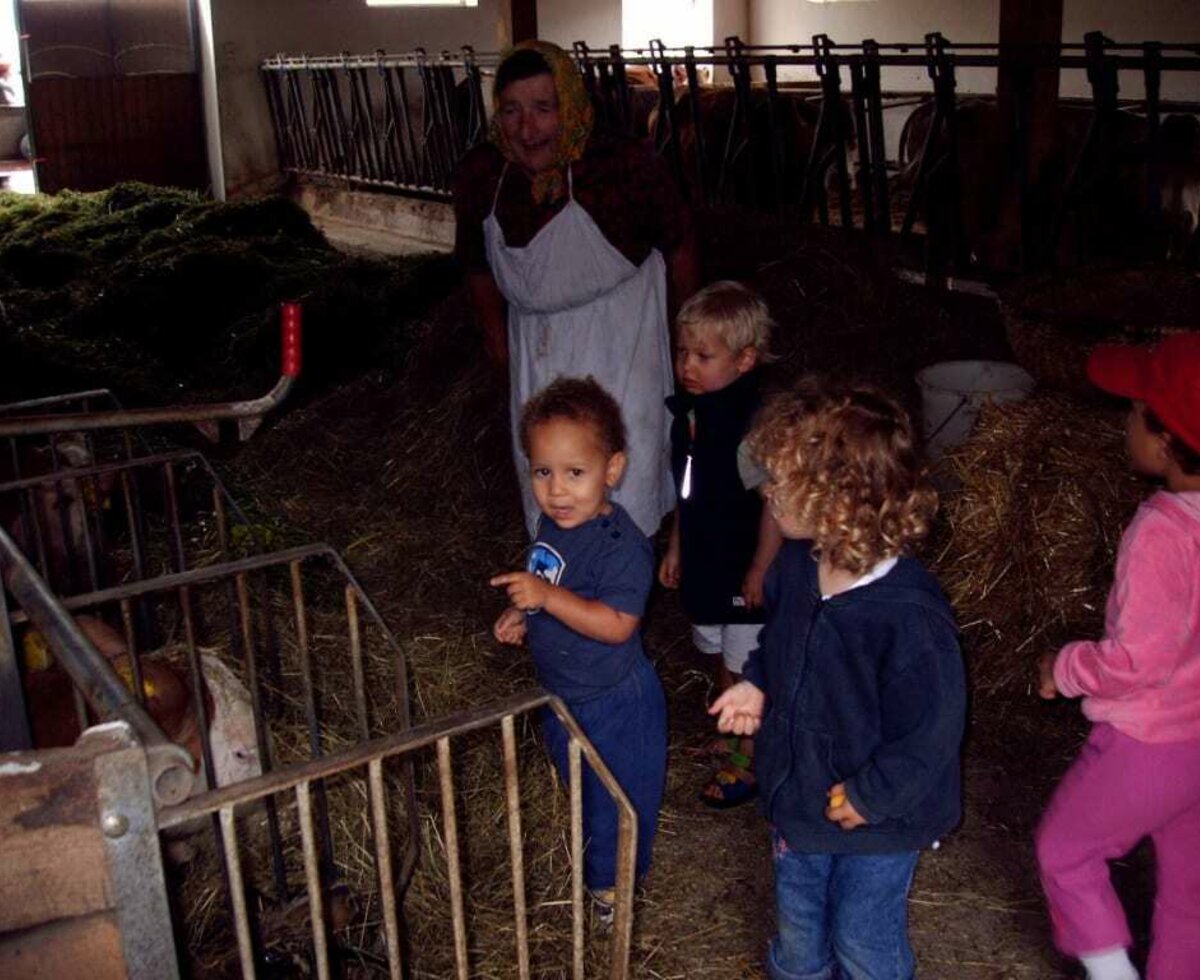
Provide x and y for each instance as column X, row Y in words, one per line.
column 1028, row 539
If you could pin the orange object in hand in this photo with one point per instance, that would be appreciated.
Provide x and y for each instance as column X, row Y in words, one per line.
column 837, row 800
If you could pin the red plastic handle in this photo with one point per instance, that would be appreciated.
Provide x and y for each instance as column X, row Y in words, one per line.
column 292, row 335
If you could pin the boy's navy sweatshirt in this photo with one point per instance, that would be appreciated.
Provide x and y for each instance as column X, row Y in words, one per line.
column 865, row 688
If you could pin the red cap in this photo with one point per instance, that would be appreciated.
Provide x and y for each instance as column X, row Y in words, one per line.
column 1165, row 377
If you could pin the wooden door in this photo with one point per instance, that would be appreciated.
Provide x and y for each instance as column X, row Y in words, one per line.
column 114, row 94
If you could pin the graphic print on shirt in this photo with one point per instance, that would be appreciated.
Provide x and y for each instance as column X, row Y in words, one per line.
column 545, row 562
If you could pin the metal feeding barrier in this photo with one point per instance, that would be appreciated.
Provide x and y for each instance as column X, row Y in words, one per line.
column 814, row 149
column 247, row 413
column 219, row 708
column 326, row 723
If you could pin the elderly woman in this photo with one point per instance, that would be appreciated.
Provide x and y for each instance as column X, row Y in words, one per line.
column 569, row 238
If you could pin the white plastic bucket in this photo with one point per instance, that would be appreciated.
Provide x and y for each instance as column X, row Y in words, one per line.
column 953, row 391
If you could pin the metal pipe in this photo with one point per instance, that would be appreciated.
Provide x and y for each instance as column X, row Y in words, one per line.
column 312, row 877
column 254, row 408
column 512, row 795
column 383, row 863
column 453, row 867
column 241, row 920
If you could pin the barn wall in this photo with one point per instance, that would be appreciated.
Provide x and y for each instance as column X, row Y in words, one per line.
column 245, row 33
column 789, row 21
column 598, row 22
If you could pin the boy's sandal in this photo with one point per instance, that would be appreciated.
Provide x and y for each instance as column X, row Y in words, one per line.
column 732, row 785
column 603, row 902
column 718, row 748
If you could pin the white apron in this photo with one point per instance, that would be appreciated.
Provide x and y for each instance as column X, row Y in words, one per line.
column 577, row 306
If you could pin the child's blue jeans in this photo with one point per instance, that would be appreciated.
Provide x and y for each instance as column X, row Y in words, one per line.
column 841, row 915
column 628, row 726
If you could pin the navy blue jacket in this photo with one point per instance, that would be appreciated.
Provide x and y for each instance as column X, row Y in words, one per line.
column 865, row 688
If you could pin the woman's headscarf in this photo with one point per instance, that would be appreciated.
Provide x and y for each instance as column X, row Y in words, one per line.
column 574, row 113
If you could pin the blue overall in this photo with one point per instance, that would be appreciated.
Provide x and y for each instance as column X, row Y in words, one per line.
column 611, row 689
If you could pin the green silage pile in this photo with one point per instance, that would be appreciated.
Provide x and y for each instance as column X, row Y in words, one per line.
column 164, row 296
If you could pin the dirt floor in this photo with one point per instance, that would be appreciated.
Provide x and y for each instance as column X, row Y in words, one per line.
column 409, row 477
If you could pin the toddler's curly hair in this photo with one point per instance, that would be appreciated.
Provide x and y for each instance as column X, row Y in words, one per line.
column 843, row 463
column 581, row 400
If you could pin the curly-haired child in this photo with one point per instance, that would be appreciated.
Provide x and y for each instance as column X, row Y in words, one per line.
column 1139, row 772
column 579, row 602
column 857, row 688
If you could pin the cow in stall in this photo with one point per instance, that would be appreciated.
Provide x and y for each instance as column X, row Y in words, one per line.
column 51, row 523
column 645, row 96
column 1087, row 201
column 1179, row 195
column 169, row 700
column 741, row 161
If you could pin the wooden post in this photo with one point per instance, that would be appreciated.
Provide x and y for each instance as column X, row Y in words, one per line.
column 524, row 20
column 1027, row 102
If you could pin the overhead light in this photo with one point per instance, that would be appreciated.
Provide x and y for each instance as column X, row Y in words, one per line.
column 422, row 3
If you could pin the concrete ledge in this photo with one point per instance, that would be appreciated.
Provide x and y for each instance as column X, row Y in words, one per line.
column 378, row 221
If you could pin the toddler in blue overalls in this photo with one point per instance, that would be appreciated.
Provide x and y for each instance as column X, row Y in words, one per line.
column 579, row 603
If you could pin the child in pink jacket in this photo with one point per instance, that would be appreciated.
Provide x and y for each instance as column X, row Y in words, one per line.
column 1139, row 772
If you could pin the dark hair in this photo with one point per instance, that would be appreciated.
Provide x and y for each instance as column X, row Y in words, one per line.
column 1183, row 454
column 518, row 66
column 580, row 400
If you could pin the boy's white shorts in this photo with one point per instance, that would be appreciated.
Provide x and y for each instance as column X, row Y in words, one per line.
column 733, row 641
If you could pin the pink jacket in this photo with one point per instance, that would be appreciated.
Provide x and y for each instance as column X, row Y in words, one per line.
column 1143, row 676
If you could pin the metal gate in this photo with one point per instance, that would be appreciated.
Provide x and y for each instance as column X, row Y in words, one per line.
column 303, row 785
column 737, row 134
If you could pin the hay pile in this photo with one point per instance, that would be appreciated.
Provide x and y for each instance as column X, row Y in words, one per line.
column 165, row 296
column 1054, row 321
column 1028, row 542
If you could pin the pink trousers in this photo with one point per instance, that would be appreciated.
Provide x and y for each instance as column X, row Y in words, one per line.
column 1118, row 791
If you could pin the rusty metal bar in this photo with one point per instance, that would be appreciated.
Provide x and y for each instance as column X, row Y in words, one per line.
column 261, row 734
column 135, row 657
column 356, row 663
column 513, row 800
column 312, row 876
column 858, row 96
column 879, row 175
column 383, row 862
column 310, row 704
column 400, row 743
column 180, row 561
column 622, row 936
column 575, row 764
column 454, row 871
column 237, row 893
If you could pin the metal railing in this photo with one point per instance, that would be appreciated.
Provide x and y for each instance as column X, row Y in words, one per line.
column 371, row 756
column 292, row 612
column 247, row 413
column 816, row 149
column 86, row 528
column 395, row 121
